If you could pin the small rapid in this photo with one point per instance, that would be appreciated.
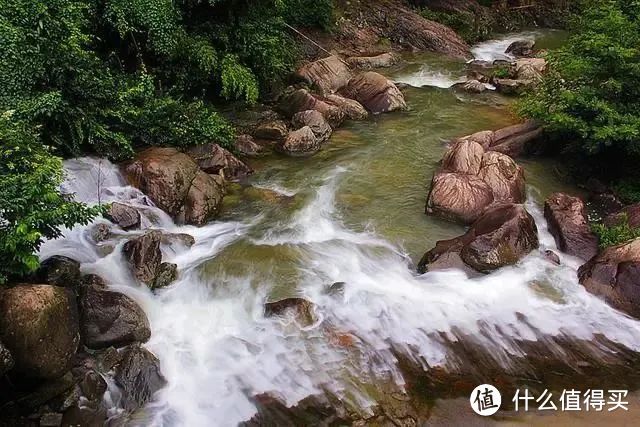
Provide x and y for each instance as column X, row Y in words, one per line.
column 217, row 350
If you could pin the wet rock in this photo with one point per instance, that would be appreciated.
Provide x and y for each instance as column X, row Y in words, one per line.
column 504, row 176
column 522, row 48
column 144, row 255
column 167, row 274
column 301, row 142
column 503, row 235
column 127, row 217
column 368, row 62
column 568, row 224
column 614, row 275
column 6, row 360
column 213, row 159
column 316, row 122
column 458, row 197
column 245, row 145
column 184, row 239
column 336, row 289
column 110, row 318
column 302, row 100
column 204, row 199
column 301, row 310
column 530, row 69
column 375, row 92
column 474, row 86
column 510, row 86
column 175, row 183
column 514, row 141
column 328, row 74
column 630, row 214
column 471, row 179
column 275, row 130
column 100, row 233
column 403, row 26
column 59, row 271
column 350, row 108
column 464, row 157
column 93, row 386
column 552, row 257
column 139, row 377
column 39, row 326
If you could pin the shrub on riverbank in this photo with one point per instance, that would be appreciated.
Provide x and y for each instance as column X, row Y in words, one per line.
column 109, row 76
column 590, row 96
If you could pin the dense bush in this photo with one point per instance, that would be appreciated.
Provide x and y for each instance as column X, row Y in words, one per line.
column 591, row 94
column 614, row 235
column 108, row 76
column 31, row 207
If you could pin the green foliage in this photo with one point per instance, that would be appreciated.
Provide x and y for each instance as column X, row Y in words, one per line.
column 308, row 13
column 109, row 76
column 628, row 190
column 615, row 235
column 502, row 72
column 591, row 94
column 31, row 206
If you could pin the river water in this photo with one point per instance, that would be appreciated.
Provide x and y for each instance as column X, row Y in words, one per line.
column 353, row 213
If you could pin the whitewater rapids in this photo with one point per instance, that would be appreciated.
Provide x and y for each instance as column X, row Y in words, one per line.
column 217, row 350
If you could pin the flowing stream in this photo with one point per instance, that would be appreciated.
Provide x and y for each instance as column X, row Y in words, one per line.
column 353, row 213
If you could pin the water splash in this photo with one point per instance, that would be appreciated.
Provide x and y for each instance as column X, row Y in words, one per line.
column 217, row 350
column 495, row 49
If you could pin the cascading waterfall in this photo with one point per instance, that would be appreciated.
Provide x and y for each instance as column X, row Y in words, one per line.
column 217, row 349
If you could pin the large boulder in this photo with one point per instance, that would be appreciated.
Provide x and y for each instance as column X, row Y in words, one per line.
column 458, row 197
column 514, row 141
column 521, row 48
column 39, row 326
column 350, row 108
column 464, row 157
column 109, row 318
column 204, row 198
column 144, row 255
column 368, row 62
column 246, row 145
column 274, row 130
column 139, row 376
column 302, row 100
column 301, row 142
column 501, row 236
column 377, row 93
column 471, row 179
column 328, row 74
column 614, row 275
column 316, row 121
column 168, row 177
column 213, row 159
column 567, row 219
column 404, row 27
column 59, row 271
column 504, row 176
column 127, row 217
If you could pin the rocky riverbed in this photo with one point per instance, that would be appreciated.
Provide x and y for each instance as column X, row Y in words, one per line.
column 288, row 285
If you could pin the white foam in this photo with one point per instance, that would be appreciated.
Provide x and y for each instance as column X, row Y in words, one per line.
column 217, row 350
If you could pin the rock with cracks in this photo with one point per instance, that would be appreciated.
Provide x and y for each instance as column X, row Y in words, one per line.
column 503, row 235
column 567, row 219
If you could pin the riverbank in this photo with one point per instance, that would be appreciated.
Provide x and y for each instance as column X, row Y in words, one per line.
column 301, row 299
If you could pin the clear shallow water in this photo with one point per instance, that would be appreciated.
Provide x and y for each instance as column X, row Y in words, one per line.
column 352, row 213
